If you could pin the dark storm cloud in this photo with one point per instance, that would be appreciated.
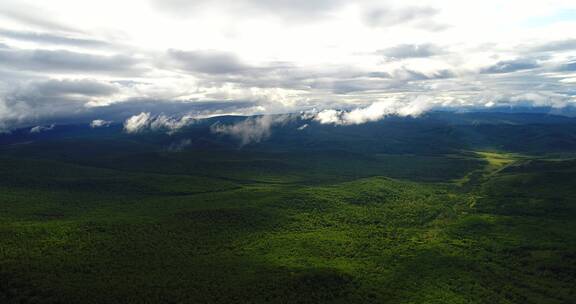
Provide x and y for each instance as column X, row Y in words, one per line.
column 509, row 66
column 65, row 61
column 49, row 38
column 411, row 51
column 383, row 17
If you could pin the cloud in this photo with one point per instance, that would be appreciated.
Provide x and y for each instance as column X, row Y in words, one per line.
column 521, row 99
column 39, row 129
column 374, row 112
column 397, row 79
column 65, row 61
column 386, row 16
column 36, row 101
column 163, row 122
column 509, row 66
column 553, row 46
column 402, row 51
column 568, row 67
column 100, row 123
column 145, row 121
column 63, row 87
column 252, row 129
column 328, row 116
column 32, row 16
column 137, row 123
column 179, row 145
column 536, row 99
column 209, row 62
column 408, row 74
column 53, row 95
column 48, row 38
column 289, row 10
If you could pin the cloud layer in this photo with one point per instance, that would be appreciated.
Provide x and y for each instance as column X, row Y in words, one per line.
column 354, row 61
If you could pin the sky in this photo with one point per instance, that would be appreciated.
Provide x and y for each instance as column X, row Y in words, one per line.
column 65, row 60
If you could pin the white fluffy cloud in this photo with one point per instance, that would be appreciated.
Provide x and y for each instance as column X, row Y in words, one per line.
column 374, row 112
column 99, row 123
column 137, row 123
column 145, row 121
